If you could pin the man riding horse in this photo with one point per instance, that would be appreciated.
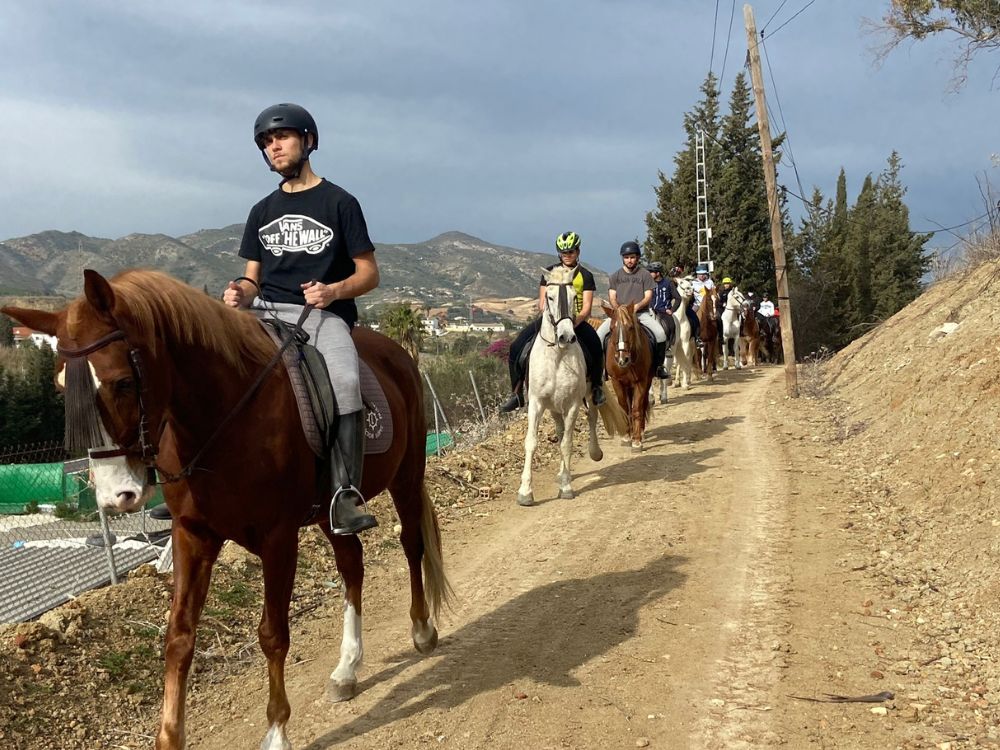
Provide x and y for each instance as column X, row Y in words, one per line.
column 633, row 284
column 584, row 286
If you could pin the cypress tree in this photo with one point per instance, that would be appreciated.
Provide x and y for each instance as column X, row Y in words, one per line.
column 901, row 262
column 6, row 331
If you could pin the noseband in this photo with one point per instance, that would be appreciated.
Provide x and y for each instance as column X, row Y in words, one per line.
column 563, row 310
column 82, row 418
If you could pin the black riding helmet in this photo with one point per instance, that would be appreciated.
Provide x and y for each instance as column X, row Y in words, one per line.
column 630, row 248
column 290, row 116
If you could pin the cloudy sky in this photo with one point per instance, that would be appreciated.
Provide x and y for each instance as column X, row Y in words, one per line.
column 512, row 121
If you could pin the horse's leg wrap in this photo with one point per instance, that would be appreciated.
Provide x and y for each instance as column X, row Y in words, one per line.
column 348, row 509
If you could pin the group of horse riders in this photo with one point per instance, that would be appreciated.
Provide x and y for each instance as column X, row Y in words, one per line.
column 654, row 295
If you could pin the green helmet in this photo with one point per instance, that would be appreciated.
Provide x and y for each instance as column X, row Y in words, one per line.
column 567, row 242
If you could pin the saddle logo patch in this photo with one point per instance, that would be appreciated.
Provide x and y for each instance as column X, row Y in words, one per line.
column 373, row 423
column 294, row 233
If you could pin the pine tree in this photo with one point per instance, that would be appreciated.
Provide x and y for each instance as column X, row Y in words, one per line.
column 672, row 227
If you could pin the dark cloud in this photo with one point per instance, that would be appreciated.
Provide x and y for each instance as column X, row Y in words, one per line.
column 510, row 120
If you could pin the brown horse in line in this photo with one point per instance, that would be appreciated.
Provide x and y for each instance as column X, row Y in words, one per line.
column 708, row 317
column 629, row 363
column 750, row 335
column 170, row 365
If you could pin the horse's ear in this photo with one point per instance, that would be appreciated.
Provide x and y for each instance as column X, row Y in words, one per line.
column 98, row 292
column 36, row 320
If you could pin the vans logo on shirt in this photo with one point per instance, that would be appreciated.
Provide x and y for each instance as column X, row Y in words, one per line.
column 293, row 233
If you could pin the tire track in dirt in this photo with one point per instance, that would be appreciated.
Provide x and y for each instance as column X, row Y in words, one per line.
column 622, row 616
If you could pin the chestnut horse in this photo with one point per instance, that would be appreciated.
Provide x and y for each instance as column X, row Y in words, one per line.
column 173, row 369
column 708, row 317
column 629, row 364
column 750, row 335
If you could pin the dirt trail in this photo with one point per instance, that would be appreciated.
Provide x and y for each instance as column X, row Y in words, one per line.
column 676, row 602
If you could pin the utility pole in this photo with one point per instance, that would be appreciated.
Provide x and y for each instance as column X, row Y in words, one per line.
column 777, row 240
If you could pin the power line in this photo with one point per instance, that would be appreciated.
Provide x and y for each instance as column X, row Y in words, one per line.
column 729, row 36
column 762, row 37
column 784, row 126
column 809, row 203
column 773, row 15
column 715, row 26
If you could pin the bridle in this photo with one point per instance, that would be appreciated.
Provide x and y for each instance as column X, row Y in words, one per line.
column 563, row 309
column 624, row 351
column 145, row 447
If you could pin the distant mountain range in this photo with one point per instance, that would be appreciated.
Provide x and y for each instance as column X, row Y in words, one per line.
column 451, row 269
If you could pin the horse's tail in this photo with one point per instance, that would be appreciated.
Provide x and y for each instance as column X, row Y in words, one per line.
column 438, row 589
column 614, row 419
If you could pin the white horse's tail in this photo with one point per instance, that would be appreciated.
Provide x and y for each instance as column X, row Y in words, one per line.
column 614, row 419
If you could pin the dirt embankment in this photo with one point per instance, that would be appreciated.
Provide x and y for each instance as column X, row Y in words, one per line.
column 760, row 551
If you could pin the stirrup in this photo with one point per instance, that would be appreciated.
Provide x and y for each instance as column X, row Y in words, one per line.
column 361, row 520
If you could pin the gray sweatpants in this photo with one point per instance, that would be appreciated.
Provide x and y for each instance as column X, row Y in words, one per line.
column 330, row 334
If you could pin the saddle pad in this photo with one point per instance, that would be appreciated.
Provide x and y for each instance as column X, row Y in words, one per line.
column 378, row 417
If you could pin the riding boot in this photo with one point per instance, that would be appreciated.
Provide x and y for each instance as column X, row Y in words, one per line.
column 658, row 354
column 598, row 398
column 348, row 509
column 516, row 400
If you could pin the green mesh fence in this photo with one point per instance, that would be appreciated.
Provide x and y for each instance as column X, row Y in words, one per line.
column 21, row 484
column 437, row 440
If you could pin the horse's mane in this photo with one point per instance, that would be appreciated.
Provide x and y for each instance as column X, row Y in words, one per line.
column 626, row 316
column 163, row 308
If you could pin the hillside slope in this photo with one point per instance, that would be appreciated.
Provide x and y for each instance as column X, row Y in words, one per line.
column 917, row 402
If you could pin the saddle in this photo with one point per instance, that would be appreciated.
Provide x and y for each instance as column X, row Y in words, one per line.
column 316, row 400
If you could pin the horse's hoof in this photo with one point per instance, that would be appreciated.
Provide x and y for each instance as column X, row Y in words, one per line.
column 338, row 692
column 663, row 402
column 526, row 500
column 626, row 441
column 428, row 646
column 637, row 448
column 566, row 494
column 596, row 455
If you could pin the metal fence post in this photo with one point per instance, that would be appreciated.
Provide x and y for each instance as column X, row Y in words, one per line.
column 108, row 551
column 444, row 416
column 479, row 403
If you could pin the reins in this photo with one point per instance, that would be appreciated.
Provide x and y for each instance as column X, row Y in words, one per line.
column 148, row 451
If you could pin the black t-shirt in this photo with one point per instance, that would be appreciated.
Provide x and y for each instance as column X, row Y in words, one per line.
column 309, row 235
column 583, row 281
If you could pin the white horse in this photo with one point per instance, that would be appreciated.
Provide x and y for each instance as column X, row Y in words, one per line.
column 731, row 327
column 557, row 383
column 684, row 349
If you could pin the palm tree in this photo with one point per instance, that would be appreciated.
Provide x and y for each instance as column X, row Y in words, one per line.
column 404, row 326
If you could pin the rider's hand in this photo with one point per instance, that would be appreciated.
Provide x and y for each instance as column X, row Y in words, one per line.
column 233, row 296
column 319, row 295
